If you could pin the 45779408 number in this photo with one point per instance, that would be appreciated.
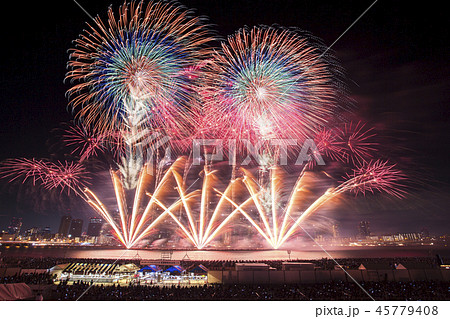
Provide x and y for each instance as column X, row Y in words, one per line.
column 407, row 310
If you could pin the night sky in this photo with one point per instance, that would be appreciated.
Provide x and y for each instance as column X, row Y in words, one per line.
column 396, row 63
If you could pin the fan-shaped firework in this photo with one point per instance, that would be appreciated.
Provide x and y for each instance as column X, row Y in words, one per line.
column 274, row 210
column 273, row 213
column 279, row 221
column 271, row 83
column 133, row 69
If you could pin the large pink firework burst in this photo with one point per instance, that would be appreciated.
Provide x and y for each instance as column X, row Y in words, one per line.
column 270, row 83
column 28, row 169
column 329, row 145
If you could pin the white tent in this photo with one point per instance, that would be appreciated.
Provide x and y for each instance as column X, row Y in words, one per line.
column 57, row 270
column 127, row 268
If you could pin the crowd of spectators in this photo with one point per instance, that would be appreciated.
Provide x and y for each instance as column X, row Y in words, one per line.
column 324, row 263
column 48, row 262
column 386, row 290
column 29, row 279
column 320, row 292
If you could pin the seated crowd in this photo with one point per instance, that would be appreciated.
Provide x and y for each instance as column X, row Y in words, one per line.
column 324, row 263
column 327, row 291
column 383, row 290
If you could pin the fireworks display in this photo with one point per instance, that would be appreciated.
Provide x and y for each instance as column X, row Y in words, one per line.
column 376, row 176
column 357, row 142
column 67, row 175
column 136, row 70
column 270, row 83
column 84, row 142
column 148, row 78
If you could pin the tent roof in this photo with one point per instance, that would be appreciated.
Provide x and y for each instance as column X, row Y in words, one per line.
column 414, row 265
column 199, row 269
column 58, row 267
column 175, row 268
column 150, row 268
column 92, row 268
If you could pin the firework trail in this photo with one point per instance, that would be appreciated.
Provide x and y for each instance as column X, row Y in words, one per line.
column 279, row 216
column 279, row 209
column 199, row 217
column 202, row 219
column 137, row 70
column 133, row 223
column 373, row 176
column 138, row 220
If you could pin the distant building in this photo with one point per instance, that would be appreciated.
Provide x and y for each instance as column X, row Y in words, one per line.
column 410, row 236
column 106, row 239
column 64, row 226
column 335, row 231
column 94, row 227
column 364, row 229
column 32, row 233
column 46, row 233
column 7, row 237
column 76, row 228
column 14, row 226
column 425, row 232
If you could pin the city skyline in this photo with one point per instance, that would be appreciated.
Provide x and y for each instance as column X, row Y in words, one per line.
column 96, row 224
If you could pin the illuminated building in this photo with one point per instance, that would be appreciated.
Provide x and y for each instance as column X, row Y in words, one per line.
column 15, row 226
column 64, row 226
column 364, row 229
column 76, row 228
column 94, row 227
